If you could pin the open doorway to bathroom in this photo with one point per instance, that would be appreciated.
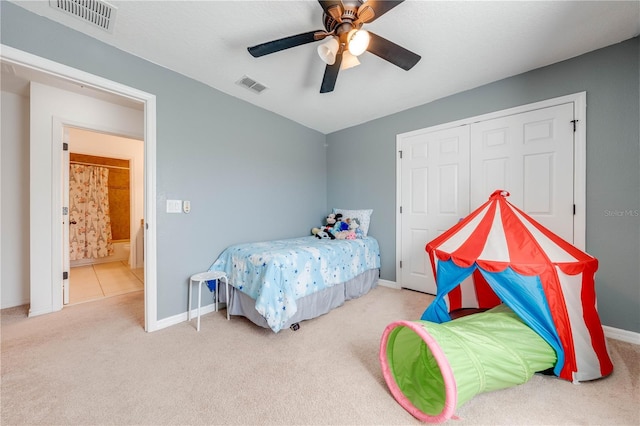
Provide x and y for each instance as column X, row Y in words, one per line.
column 105, row 236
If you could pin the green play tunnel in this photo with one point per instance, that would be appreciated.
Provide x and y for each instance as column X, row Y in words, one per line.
column 432, row 369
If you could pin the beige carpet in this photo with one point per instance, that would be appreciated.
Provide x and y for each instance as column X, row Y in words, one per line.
column 93, row 364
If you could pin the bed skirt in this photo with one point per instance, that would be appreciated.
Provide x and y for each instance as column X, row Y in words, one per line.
column 310, row 306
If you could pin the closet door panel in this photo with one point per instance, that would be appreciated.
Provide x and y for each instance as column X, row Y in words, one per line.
column 435, row 195
column 531, row 156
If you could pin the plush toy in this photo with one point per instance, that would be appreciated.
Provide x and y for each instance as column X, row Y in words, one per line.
column 333, row 224
column 332, row 218
column 341, row 235
column 357, row 230
column 329, row 231
column 354, row 229
column 335, row 228
column 321, row 234
column 341, row 225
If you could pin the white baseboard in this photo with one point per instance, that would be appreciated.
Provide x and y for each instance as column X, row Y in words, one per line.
column 13, row 303
column 176, row 319
column 387, row 283
column 623, row 335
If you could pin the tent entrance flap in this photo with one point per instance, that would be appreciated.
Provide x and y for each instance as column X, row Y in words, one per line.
column 432, row 369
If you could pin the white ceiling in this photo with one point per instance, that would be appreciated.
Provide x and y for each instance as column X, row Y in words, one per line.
column 463, row 44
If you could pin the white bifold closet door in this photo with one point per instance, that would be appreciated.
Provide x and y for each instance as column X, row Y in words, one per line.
column 447, row 173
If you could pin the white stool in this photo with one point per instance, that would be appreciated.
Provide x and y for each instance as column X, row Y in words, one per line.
column 201, row 278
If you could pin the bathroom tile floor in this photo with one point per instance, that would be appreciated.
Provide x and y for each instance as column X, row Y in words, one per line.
column 97, row 281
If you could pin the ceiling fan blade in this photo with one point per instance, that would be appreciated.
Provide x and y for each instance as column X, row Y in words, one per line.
column 381, row 7
column 328, row 4
column 286, row 43
column 391, row 52
column 331, row 74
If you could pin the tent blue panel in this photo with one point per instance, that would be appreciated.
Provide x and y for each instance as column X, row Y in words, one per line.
column 523, row 294
column 448, row 276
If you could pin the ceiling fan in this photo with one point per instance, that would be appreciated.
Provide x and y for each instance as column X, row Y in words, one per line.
column 343, row 20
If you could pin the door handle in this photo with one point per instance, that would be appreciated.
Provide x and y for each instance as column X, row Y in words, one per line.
column 73, row 222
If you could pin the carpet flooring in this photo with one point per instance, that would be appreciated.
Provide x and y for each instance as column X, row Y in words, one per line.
column 93, row 364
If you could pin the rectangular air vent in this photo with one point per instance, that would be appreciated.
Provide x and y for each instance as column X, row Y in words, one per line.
column 96, row 12
column 251, row 84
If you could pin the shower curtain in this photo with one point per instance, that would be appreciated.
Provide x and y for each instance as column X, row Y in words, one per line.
column 90, row 224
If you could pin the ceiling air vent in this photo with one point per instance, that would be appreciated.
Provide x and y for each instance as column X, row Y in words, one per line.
column 96, row 12
column 251, row 84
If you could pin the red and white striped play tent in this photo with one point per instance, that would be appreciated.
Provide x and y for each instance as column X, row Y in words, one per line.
column 500, row 254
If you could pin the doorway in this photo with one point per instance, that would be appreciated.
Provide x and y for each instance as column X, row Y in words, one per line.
column 105, row 237
column 45, row 168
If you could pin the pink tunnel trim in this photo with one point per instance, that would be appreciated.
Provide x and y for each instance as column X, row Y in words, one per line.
column 451, row 394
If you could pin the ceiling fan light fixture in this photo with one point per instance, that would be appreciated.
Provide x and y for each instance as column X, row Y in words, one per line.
column 328, row 51
column 343, row 20
column 348, row 61
column 358, row 42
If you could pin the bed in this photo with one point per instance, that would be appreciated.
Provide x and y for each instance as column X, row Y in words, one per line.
column 277, row 284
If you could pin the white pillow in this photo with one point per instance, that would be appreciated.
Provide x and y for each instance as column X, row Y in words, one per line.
column 363, row 217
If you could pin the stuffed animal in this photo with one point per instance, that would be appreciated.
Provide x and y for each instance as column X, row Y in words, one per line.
column 341, row 235
column 334, row 228
column 345, row 229
column 321, row 234
column 354, row 230
column 333, row 224
column 341, row 225
column 329, row 231
column 332, row 218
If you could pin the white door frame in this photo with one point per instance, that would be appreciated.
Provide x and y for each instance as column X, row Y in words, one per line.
column 580, row 163
column 53, row 69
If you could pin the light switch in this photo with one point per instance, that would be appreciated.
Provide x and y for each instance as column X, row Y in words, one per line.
column 186, row 206
column 174, row 206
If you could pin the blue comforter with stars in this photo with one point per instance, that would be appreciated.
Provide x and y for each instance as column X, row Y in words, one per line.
column 277, row 273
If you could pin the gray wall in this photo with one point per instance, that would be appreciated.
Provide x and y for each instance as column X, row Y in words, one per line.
column 206, row 153
column 232, row 160
column 361, row 162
